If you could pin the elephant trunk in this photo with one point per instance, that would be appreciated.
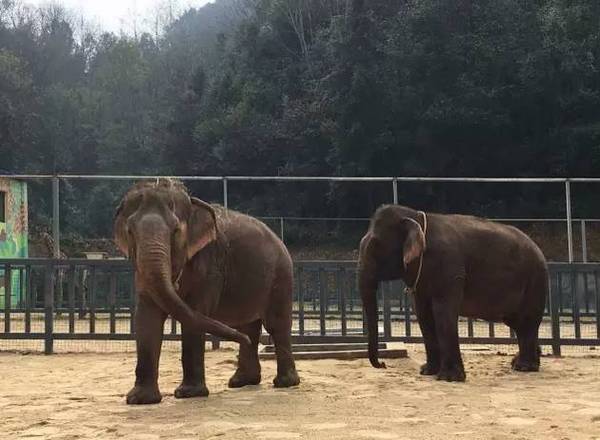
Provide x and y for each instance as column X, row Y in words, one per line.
column 154, row 260
column 368, row 292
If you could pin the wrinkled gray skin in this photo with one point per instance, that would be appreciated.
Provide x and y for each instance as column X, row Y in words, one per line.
column 213, row 270
column 471, row 267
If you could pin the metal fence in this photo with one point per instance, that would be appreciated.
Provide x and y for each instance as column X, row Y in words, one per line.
column 53, row 300
column 581, row 251
column 392, row 181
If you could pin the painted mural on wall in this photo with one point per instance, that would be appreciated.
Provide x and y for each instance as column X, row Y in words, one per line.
column 13, row 231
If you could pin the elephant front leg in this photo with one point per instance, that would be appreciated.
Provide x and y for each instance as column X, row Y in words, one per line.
column 424, row 311
column 192, row 361
column 149, row 321
column 445, row 312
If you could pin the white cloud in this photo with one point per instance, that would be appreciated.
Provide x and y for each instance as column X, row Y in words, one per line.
column 117, row 15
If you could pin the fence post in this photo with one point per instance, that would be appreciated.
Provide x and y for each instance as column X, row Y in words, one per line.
column 407, row 317
column 281, row 229
column 7, row 296
column 322, row 301
column 112, row 300
column 341, row 288
column 575, row 306
column 569, row 219
column 49, row 308
column 387, row 311
column 29, row 300
column 395, row 189
column 597, row 292
column 132, row 304
column 225, row 193
column 300, row 285
column 56, row 215
column 583, row 242
column 554, row 314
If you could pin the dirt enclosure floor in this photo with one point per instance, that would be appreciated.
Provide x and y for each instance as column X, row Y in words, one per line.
column 80, row 396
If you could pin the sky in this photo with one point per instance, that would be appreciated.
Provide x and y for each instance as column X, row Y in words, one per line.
column 116, row 15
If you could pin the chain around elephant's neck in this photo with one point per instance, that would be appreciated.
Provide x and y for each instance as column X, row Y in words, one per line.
column 412, row 290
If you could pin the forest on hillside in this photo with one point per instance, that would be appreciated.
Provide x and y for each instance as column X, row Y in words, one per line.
column 308, row 87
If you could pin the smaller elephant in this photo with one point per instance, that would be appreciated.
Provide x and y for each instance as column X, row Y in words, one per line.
column 455, row 265
column 212, row 269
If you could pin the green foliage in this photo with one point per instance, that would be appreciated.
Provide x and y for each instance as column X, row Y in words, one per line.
column 308, row 87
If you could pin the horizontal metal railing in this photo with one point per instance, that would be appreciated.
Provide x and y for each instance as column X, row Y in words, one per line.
column 393, row 180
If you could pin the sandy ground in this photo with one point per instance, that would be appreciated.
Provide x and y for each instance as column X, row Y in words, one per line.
column 77, row 396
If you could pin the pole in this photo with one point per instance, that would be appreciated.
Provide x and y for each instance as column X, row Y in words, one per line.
column 56, row 215
column 569, row 225
column 281, row 229
column 225, row 193
column 583, row 242
column 395, row 188
column 49, row 308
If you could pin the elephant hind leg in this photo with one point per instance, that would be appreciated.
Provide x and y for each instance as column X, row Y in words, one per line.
column 248, row 371
column 287, row 376
column 278, row 322
column 528, row 357
column 526, row 324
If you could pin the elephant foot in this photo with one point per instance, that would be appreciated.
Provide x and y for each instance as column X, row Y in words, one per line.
column 241, row 379
column 289, row 379
column 519, row 364
column 452, row 374
column 185, row 391
column 428, row 369
column 144, row 395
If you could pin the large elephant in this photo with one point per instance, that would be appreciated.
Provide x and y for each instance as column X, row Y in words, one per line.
column 455, row 265
column 193, row 260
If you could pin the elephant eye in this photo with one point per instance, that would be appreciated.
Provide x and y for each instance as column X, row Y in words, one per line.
column 178, row 230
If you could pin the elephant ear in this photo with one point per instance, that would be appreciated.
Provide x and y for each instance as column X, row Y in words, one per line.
column 120, row 231
column 414, row 244
column 202, row 226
